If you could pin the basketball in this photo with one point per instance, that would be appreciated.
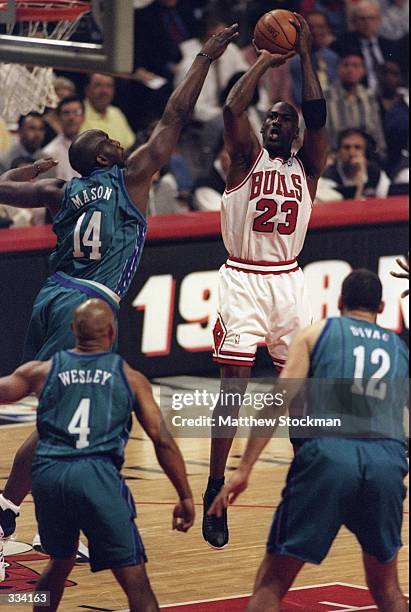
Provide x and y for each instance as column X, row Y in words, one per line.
column 275, row 33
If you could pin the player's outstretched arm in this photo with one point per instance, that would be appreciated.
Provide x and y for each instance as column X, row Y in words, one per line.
column 168, row 453
column 153, row 155
column 313, row 153
column 28, row 378
column 17, row 188
column 242, row 143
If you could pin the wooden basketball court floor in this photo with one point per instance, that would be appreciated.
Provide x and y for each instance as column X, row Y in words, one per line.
column 182, row 568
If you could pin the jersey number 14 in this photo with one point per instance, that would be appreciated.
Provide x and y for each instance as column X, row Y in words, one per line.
column 90, row 238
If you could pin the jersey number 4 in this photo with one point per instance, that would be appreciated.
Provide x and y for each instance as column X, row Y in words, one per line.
column 269, row 209
column 90, row 238
column 79, row 424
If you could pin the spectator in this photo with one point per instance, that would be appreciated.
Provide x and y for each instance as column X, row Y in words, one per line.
column 100, row 114
column 172, row 25
column 354, row 173
column 325, row 61
column 351, row 105
column 335, row 10
column 209, row 189
column 395, row 17
column 31, row 131
column 164, row 196
column 159, row 30
column 199, row 140
column 394, row 108
column 63, row 88
column 208, row 107
column 71, row 114
column 364, row 40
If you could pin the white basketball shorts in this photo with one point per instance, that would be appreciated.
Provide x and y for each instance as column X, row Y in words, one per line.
column 259, row 303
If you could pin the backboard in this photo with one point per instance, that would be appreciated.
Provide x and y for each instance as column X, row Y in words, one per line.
column 103, row 42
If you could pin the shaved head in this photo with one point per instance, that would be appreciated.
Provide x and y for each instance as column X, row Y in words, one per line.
column 93, row 321
column 287, row 108
column 84, row 150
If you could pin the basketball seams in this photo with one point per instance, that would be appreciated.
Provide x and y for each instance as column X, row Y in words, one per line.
column 272, row 22
column 284, row 32
column 263, row 34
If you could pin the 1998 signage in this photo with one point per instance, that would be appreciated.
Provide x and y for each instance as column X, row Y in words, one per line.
column 166, row 318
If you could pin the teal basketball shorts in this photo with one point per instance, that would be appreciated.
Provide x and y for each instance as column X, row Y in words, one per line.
column 88, row 495
column 49, row 329
column 334, row 482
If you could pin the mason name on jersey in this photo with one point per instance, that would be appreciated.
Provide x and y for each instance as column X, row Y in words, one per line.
column 273, row 182
column 84, row 377
column 102, row 192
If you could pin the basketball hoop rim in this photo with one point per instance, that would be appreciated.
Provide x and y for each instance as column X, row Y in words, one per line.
column 58, row 10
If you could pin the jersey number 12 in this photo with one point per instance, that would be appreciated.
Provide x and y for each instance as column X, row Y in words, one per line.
column 374, row 387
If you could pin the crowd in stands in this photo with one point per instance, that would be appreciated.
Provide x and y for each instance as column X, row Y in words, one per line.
column 360, row 53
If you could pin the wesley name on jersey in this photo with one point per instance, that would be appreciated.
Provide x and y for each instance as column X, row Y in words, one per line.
column 83, row 377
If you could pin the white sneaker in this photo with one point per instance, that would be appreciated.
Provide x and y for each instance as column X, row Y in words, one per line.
column 82, row 552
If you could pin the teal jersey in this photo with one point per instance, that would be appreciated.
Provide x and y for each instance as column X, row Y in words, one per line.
column 84, row 407
column 360, row 373
column 100, row 232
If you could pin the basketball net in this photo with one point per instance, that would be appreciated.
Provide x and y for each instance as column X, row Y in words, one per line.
column 23, row 88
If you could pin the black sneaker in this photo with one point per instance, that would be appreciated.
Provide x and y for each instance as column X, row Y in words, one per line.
column 7, row 527
column 215, row 529
column 7, row 522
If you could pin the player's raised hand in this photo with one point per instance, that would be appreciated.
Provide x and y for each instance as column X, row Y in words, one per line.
column 44, row 165
column 217, row 44
column 183, row 515
column 303, row 43
column 274, row 59
column 229, row 493
column 405, row 265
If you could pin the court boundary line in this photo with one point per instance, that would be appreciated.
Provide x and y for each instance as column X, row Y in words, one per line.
column 300, row 588
column 25, row 424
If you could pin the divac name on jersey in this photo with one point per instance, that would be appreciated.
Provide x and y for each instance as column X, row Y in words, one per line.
column 91, row 195
column 273, row 182
column 368, row 332
column 83, row 377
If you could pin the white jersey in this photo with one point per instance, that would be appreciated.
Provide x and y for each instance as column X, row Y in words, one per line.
column 265, row 219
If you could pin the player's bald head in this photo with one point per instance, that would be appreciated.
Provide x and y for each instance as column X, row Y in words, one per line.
column 93, row 320
column 84, row 150
column 287, row 109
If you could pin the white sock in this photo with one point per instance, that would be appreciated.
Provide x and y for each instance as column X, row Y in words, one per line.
column 6, row 504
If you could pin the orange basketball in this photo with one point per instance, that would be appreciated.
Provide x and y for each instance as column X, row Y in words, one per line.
column 275, row 33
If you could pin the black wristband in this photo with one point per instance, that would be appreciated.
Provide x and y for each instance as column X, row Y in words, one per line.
column 314, row 113
column 210, row 59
